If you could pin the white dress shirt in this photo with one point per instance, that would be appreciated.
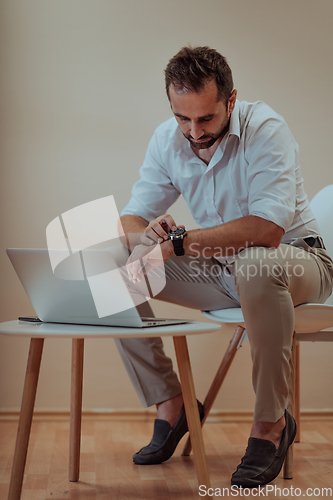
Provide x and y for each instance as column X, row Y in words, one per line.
column 254, row 171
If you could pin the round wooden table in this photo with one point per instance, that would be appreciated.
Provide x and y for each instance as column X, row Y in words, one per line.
column 37, row 332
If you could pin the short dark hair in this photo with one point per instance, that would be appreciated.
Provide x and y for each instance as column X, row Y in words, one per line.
column 191, row 68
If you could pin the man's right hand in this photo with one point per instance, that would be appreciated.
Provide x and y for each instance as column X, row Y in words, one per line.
column 157, row 230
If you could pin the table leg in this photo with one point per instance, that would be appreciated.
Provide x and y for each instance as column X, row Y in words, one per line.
column 191, row 409
column 26, row 413
column 76, row 409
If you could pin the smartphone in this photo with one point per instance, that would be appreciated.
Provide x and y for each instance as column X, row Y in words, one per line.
column 30, row 319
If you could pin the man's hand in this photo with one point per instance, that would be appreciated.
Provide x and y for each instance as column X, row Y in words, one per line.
column 157, row 230
column 144, row 258
column 155, row 248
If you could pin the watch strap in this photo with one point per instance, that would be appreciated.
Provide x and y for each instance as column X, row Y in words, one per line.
column 178, row 246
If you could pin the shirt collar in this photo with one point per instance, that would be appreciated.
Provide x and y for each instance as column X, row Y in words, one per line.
column 234, row 127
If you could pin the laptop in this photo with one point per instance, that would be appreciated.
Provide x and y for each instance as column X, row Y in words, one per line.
column 82, row 290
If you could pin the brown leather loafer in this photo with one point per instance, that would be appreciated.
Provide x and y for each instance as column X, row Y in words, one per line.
column 262, row 461
column 164, row 440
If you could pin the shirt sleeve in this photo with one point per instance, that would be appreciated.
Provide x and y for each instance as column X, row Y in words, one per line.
column 154, row 193
column 272, row 156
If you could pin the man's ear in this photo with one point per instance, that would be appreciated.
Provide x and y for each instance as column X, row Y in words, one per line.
column 232, row 101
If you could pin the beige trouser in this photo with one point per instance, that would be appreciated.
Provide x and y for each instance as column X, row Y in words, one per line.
column 267, row 283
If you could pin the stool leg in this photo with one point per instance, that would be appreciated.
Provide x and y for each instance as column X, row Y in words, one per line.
column 288, row 461
column 76, row 409
column 191, row 409
column 218, row 380
column 26, row 413
column 297, row 413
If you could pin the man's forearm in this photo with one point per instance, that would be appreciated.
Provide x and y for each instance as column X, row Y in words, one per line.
column 133, row 227
column 219, row 241
column 231, row 237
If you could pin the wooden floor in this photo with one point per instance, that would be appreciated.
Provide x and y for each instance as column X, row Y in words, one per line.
column 107, row 470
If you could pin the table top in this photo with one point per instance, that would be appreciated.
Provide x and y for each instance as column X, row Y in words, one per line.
column 61, row 330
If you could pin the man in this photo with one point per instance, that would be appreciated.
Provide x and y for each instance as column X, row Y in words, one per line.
column 236, row 165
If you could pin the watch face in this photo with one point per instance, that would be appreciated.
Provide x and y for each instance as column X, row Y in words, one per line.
column 179, row 231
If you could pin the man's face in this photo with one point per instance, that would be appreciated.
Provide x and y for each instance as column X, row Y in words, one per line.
column 201, row 117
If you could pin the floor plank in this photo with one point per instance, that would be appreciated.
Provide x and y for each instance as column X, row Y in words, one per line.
column 107, row 470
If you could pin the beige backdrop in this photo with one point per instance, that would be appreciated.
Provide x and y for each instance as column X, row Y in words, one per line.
column 82, row 91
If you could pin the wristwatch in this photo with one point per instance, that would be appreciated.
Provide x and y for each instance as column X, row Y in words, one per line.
column 177, row 240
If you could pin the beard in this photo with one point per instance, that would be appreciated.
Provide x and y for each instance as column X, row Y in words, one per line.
column 208, row 139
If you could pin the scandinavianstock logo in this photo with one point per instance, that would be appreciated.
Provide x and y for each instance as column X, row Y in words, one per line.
column 84, row 243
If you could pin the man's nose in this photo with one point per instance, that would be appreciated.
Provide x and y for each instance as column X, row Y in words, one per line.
column 196, row 131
